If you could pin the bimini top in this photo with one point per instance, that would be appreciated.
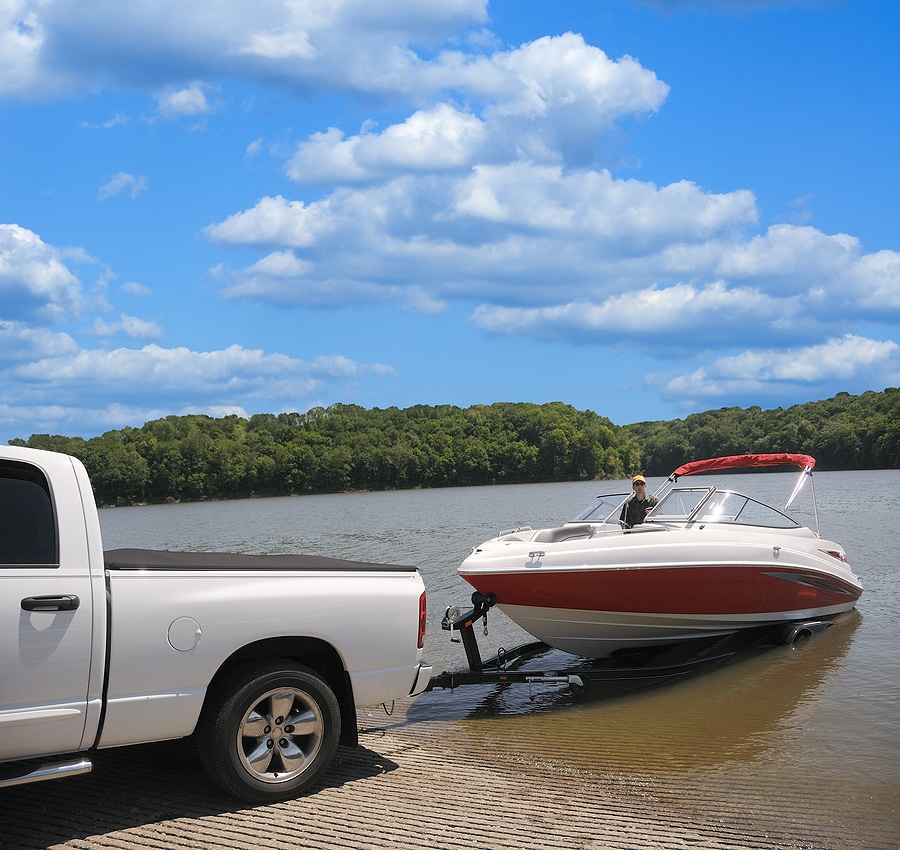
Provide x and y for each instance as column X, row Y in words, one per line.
column 805, row 462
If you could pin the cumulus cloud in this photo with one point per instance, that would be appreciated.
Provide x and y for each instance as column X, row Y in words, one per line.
column 35, row 282
column 120, row 382
column 21, row 343
column 520, row 231
column 22, row 38
column 188, row 101
column 273, row 221
column 681, row 316
column 49, row 379
column 237, row 372
column 876, row 279
column 773, row 371
column 63, row 47
column 442, row 138
column 562, row 71
column 789, row 283
column 548, row 101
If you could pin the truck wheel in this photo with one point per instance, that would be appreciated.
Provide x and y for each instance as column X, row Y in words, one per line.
column 269, row 732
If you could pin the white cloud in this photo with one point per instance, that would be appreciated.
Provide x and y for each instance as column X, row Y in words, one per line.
column 771, row 371
column 790, row 283
column 60, row 47
column 22, row 37
column 521, row 232
column 188, row 101
column 119, row 119
column 21, row 343
column 235, row 374
column 788, row 252
column 35, row 283
column 442, row 138
column 274, row 221
column 281, row 278
column 122, row 182
column 136, row 289
column 710, row 316
column 877, row 282
column 559, row 76
column 548, row 101
column 128, row 326
column 49, row 380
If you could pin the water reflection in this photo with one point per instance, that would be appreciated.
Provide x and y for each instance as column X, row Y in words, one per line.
column 756, row 706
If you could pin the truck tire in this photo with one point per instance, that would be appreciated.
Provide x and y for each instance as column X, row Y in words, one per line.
column 269, row 731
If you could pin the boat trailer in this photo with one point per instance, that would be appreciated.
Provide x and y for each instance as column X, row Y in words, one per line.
column 624, row 670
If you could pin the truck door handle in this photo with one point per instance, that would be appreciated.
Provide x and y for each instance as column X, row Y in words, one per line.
column 68, row 602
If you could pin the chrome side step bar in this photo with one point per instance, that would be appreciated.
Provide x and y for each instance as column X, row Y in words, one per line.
column 34, row 772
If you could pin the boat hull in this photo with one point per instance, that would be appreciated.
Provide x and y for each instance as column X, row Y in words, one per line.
column 593, row 609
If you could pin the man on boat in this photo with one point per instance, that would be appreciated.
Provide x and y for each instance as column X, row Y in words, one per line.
column 638, row 506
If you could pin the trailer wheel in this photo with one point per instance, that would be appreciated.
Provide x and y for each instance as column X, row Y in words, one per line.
column 269, row 732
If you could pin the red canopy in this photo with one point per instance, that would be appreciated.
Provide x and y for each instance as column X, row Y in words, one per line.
column 742, row 461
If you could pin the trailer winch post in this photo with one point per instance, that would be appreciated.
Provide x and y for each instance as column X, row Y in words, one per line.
column 463, row 623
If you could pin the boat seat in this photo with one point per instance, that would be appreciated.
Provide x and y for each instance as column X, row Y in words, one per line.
column 563, row 532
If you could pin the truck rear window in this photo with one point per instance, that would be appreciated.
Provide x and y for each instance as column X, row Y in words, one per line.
column 27, row 524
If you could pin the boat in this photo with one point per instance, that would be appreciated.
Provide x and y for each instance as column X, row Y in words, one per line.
column 705, row 561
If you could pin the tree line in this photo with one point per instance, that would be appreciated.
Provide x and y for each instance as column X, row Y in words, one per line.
column 346, row 447
column 844, row 432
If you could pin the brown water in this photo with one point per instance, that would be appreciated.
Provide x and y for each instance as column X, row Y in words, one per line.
column 805, row 738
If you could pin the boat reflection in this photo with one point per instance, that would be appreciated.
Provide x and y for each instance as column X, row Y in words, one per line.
column 738, row 710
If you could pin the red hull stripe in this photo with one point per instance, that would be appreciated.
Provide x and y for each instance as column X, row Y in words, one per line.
column 674, row 590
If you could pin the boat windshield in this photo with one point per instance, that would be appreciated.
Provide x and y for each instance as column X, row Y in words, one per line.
column 692, row 504
column 709, row 504
column 603, row 509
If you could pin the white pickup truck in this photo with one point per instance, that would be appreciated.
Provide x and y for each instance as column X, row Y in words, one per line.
column 263, row 659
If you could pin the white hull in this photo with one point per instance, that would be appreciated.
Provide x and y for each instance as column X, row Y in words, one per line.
column 598, row 634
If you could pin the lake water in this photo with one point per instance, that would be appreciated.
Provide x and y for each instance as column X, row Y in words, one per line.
column 821, row 718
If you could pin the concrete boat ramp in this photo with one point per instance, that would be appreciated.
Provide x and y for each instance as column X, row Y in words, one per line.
column 431, row 783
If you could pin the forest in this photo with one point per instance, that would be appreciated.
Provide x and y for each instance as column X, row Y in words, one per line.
column 345, row 447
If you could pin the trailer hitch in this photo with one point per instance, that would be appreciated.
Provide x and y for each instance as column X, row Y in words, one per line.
column 453, row 620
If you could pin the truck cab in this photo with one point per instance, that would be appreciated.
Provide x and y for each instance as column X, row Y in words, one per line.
column 51, row 644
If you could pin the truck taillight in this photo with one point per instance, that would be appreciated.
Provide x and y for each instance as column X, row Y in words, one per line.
column 422, row 611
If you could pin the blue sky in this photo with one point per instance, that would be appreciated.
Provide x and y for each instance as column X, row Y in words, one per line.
column 646, row 209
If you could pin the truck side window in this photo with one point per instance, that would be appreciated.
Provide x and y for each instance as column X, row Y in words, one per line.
column 27, row 523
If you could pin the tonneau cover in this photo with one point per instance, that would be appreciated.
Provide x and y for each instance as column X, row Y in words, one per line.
column 152, row 559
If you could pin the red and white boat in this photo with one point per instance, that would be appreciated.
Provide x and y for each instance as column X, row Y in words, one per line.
column 706, row 561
